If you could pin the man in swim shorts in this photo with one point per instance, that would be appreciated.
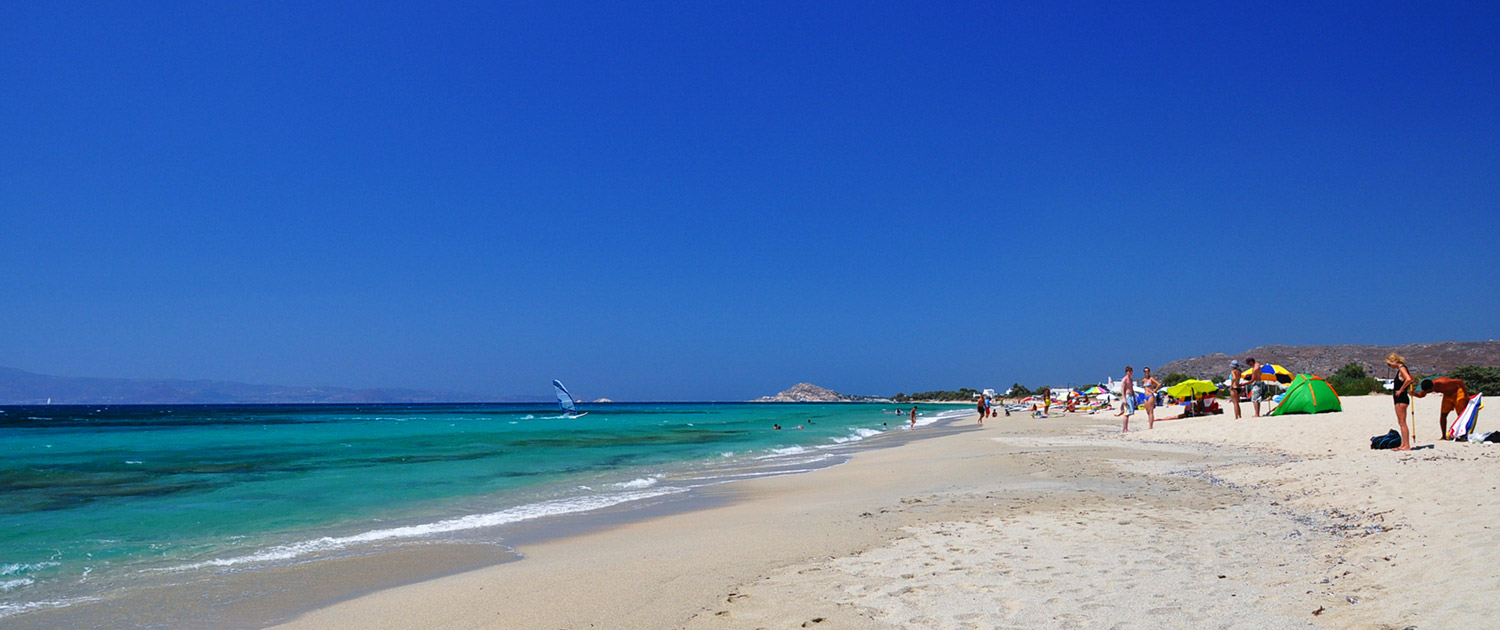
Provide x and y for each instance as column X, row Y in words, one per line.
column 1257, row 387
column 1455, row 398
column 1127, row 398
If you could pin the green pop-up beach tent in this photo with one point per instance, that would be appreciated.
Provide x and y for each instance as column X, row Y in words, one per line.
column 1308, row 394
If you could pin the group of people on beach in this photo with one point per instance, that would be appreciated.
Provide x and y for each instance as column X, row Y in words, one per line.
column 1246, row 383
column 1403, row 387
column 1243, row 385
column 1130, row 400
column 988, row 409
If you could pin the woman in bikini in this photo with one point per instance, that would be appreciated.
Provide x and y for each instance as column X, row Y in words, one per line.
column 1150, row 384
column 1236, row 385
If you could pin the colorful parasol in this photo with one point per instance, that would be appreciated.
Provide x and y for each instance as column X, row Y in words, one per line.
column 1269, row 372
column 1191, row 388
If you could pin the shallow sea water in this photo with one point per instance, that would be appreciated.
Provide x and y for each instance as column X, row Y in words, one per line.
column 96, row 499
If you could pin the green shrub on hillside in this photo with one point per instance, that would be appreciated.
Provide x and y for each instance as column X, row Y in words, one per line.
column 1478, row 379
column 1175, row 378
column 1351, row 380
column 963, row 393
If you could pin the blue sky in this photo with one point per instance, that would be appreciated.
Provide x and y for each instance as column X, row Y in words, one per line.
column 717, row 200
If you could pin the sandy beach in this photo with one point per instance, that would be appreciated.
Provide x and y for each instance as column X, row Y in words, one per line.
column 1288, row 522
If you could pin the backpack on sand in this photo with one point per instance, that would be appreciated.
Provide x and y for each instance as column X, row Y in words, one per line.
column 1389, row 440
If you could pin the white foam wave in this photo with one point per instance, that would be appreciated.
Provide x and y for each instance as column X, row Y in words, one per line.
column 856, row 435
column 21, row 567
column 8, row 585
column 637, row 484
column 781, row 452
column 753, row 475
column 7, row 610
column 923, row 421
column 474, row 521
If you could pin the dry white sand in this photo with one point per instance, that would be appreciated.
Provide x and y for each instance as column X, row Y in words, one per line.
column 1288, row 522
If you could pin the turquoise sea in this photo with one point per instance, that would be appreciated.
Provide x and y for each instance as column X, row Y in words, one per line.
column 97, row 499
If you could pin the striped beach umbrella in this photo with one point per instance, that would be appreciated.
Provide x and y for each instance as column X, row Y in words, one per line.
column 1269, row 372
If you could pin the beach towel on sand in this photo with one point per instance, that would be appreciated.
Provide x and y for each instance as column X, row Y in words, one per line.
column 1389, row 440
column 1464, row 423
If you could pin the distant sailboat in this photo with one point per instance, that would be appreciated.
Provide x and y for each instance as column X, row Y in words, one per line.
column 565, row 400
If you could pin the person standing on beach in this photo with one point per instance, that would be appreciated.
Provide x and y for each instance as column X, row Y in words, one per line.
column 1400, row 394
column 1127, row 393
column 1257, row 388
column 984, row 409
column 913, row 416
column 1150, row 384
column 1236, row 385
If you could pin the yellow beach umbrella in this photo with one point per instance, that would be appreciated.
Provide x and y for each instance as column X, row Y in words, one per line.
column 1190, row 388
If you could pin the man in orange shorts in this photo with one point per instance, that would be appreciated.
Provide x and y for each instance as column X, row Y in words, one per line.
column 1455, row 398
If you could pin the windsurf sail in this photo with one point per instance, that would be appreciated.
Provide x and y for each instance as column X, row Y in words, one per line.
column 564, row 399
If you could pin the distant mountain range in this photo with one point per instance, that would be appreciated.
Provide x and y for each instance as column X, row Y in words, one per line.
column 807, row 392
column 18, row 387
column 1421, row 358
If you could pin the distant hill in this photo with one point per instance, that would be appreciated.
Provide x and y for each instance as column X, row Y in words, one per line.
column 18, row 387
column 1421, row 358
column 807, row 392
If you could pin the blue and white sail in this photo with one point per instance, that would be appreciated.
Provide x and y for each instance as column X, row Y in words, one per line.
column 564, row 399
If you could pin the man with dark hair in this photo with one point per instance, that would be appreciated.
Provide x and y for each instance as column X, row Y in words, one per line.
column 1455, row 398
column 1257, row 387
column 1127, row 398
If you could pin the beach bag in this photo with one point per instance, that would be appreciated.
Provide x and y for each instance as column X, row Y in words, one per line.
column 1389, row 440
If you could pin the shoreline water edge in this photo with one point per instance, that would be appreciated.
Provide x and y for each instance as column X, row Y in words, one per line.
column 188, row 581
column 1277, row 522
column 1273, row 522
